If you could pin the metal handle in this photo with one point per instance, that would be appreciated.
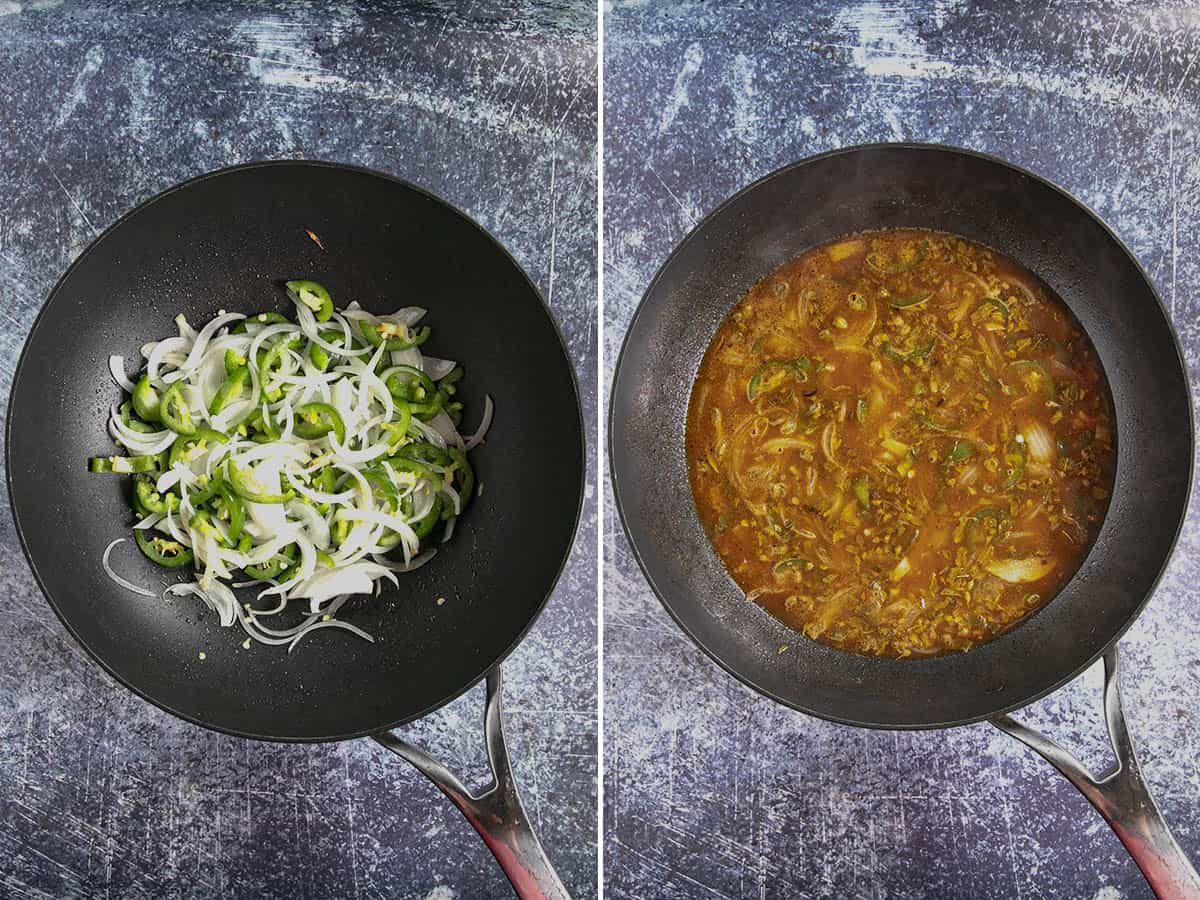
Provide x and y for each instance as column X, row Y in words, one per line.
column 496, row 813
column 1121, row 796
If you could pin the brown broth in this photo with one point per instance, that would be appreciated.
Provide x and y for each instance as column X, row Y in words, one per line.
column 900, row 443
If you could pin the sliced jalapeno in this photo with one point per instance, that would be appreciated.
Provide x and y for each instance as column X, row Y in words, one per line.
column 162, row 550
column 272, row 360
column 315, row 420
column 273, row 566
column 174, row 411
column 262, row 318
column 771, row 374
column 186, row 449
column 231, row 509
column 203, row 490
column 398, row 336
column 247, row 488
column 132, row 422
column 150, row 500
column 146, row 400
column 318, row 355
column 410, row 385
column 123, row 465
column 314, row 296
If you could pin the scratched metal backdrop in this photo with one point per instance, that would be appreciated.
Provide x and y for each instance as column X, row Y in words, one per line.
column 103, row 105
column 712, row 791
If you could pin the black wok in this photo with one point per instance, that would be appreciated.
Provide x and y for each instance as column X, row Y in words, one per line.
column 224, row 241
column 1034, row 222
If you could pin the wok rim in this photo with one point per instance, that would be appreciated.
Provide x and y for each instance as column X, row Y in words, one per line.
column 315, row 164
column 718, row 211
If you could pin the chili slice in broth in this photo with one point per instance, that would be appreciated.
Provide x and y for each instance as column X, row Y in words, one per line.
column 901, row 443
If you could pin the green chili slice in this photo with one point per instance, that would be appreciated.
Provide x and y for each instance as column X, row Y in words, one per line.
column 318, row 355
column 231, row 509
column 771, row 374
column 230, row 390
column 242, row 481
column 936, row 425
column 149, row 499
column 273, row 566
column 961, row 450
column 425, row 452
column 997, row 304
column 272, row 360
column 399, row 337
column 339, row 531
column 862, row 491
column 262, row 318
column 132, row 422
column 410, row 385
column 204, row 489
column 175, row 412
column 792, row 564
column 907, row 302
column 920, row 352
column 185, row 449
column 233, row 361
column 146, row 401
column 314, row 296
column 123, row 465
column 315, row 420
column 162, row 550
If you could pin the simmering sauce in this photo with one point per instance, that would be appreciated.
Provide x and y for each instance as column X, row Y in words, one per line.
column 900, row 443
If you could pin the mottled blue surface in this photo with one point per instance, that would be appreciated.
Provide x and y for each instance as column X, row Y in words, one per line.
column 714, row 791
column 101, row 106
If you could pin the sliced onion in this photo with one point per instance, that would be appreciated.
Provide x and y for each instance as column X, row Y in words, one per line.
column 201, row 343
column 308, row 325
column 444, row 425
column 428, row 432
column 437, row 369
column 1040, row 442
column 409, row 357
column 108, row 570
column 484, row 424
column 332, row 623
column 116, row 365
column 159, row 353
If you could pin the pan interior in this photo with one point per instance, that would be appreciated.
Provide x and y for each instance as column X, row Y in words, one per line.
column 225, row 241
column 992, row 203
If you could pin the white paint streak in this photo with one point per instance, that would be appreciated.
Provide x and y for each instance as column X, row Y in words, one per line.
column 280, row 54
column 884, row 42
column 693, row 56
column 91, row 65
column 553, row 227
column 141, row 117
column 745, row 109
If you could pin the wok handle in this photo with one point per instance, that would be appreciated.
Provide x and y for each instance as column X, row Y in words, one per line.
column 496, row 813
column 1121, row 795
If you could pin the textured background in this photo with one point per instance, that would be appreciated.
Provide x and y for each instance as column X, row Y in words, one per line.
column 713, row 791
column 103, row 106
